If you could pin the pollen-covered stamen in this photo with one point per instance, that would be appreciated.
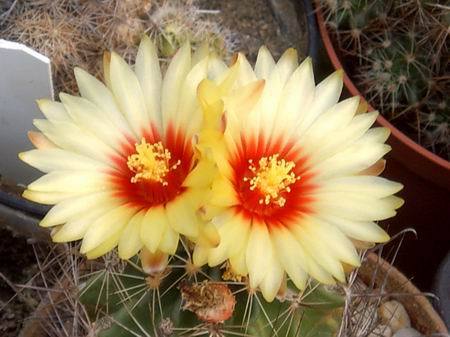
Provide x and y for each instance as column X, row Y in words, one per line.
column 271, row 178
column 151, row 162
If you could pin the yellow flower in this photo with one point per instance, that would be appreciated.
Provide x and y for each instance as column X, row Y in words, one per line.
column 298, row 176
column 120, row 161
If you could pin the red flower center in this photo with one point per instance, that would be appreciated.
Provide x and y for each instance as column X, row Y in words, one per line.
column 151, row 172
column 272, row 181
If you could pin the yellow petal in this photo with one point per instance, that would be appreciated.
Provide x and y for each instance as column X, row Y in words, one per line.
column 272, row 280
column 153, row 227
column 96, row 92
column 377, row 135
column 182, row 215
column 208, row 211
column 352, row 160
column 216, row 68
column 107, row 226
column 90, row 117
column 259, row 249
column 52, row 159
column 223, row 193
column 77, row 227
column 335, row 119
column 128, row 94
column 317, row 251
column 245, row 71
column 148, row 73
column 336, row 242
column 200, row 255
column 326, row 95
column 319, row 273
column 233, row 233
column 53, row 111
column 375, row 169
column 202, row 174
column 243, row 101
column 359, row 230
column 393, row 201
column 287, row 64
column 264, row 63
column 104, row 247
column 208, row 235
column 47, row 198
column 238, row 262
column 172, row 83
column 376, row 187
column 130, row 241
column 39, row 140
column 219, row 254
column 71, row 137
column 356, row 206
column 297, row 94
column 208, row 93
column 291, row 256
column 341, row 139
column 266, row 112
column 188, row 114
column 74, row 181
column 71, row 208
column 169, row 241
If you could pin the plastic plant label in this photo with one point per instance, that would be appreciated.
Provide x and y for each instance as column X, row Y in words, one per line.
column 25, row 76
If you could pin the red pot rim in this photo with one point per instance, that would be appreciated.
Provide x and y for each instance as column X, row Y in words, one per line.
column 407, row 141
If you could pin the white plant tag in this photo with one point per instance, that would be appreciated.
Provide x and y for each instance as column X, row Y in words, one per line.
column 25, row 76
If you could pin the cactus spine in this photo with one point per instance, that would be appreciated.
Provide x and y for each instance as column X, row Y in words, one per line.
column 181, row 300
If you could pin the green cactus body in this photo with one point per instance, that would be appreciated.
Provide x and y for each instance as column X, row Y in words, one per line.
column 126, row 304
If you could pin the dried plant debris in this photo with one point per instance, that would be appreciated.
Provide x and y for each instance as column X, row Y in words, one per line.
column 211, row 301
column 398, row 53
column 77, row 32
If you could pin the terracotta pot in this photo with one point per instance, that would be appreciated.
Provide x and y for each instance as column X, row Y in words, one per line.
column 423, row 317
column 426, row 178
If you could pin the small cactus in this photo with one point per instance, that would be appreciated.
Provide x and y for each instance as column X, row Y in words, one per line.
column 177, row 21
column 402, row 52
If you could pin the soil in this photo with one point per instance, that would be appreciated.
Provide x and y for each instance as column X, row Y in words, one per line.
column 278, row 24
column 17, row 266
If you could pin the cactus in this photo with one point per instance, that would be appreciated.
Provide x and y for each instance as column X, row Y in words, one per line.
column 399, row 75
column 110, row 297
column 177, row 21
column 76, row 32
column 181, row 300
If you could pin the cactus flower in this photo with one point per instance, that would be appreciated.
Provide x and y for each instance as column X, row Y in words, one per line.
column 298, row 176
column 119, row 161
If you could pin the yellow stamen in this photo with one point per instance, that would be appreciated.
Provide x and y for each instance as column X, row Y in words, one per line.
column 230, row 275
column 271, row 178
column 151, row 162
